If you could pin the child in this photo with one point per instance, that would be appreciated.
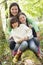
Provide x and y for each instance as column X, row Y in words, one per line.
column 23, row 20
column 23, row 37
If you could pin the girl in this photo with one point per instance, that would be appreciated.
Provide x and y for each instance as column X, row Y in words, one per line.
column 23, row 19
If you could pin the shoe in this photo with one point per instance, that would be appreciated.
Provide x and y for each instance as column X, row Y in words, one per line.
column 40, row 57
column 15, row 59
column 13, row 53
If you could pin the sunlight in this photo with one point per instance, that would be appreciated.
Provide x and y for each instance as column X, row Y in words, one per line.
column 3, row 18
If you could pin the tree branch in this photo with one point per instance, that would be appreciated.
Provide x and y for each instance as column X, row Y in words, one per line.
column 3, row 1
column 36, row 2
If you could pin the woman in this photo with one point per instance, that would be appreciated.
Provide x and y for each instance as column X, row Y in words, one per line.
column 14, row 10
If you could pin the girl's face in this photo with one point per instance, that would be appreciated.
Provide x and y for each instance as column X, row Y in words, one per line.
column 14, row 10
column 22, row 19
column 14, row 25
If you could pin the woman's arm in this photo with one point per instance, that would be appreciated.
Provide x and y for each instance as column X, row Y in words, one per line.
column 34, row 25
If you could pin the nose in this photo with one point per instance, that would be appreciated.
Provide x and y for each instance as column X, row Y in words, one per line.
column 14, row 11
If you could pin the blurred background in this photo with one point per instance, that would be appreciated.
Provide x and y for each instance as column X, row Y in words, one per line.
column 33, row 9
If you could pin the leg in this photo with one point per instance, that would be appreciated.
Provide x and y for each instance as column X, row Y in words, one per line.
column 23, row 46
column 34, row 48
column 16, row 46
column 37, row 42
column 12, row 44
column 35, row 39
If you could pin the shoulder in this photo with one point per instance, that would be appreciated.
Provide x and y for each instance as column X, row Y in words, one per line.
column 22, row 25
column 12, row 31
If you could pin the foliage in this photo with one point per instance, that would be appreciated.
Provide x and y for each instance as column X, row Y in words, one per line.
column 32, row 7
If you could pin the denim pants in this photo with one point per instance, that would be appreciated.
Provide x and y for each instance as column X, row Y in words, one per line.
column 37, row 42
column 30, row 44
column 12, row 43
column 22, row 46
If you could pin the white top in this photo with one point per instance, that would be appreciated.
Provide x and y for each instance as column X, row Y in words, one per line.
column 21, row 32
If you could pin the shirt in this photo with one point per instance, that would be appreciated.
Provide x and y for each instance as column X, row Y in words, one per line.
column 21, row 32
column 34, row 25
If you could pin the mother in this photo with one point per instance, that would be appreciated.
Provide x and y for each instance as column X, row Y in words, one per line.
column 14, row 10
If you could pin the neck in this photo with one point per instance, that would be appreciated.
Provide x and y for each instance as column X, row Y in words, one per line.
column 15, row 27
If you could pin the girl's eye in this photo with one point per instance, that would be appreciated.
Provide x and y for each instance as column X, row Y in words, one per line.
column 20, row 18
column 12, row 9
column 23, row 17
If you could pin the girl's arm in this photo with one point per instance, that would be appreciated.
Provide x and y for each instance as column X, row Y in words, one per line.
column 23, row 39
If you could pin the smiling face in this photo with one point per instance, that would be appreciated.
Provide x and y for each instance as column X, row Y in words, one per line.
column 15, row 24
column 22, row 19
column 14, row 10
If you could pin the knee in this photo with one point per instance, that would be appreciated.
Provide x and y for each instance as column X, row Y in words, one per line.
column 32, row 46
column 12, row 45
column 24, row 43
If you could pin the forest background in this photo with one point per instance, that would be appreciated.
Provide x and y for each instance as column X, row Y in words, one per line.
column 32, row 8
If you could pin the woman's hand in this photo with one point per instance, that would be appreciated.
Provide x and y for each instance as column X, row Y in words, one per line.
column 38, row 35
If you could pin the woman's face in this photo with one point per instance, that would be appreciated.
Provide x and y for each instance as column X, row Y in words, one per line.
column 14, row 10
column 22, row 19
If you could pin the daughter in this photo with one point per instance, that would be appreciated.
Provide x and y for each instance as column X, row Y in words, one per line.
column 23, row 20
column 23, row 37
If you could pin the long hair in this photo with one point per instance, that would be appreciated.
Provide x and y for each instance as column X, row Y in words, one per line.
column 13, row 4
column 25, row 16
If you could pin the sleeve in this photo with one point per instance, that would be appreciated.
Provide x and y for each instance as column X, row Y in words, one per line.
column 11, row 34
column 29, row 33
column 33, row 24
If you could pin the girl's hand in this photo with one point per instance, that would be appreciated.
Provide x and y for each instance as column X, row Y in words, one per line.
column 23, row 39
column 26, row 38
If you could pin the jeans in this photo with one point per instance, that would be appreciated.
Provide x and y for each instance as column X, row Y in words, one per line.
column 37, row 42
column 23, row 46
column 12, row 43
column 30, row 44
